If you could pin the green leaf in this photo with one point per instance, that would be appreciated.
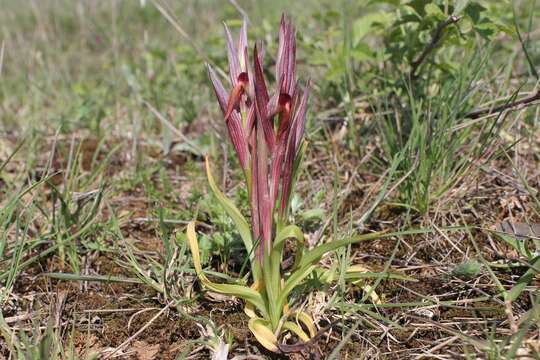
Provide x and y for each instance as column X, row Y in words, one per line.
column 487, row 30
column 389, row 2
column 362, row 52
column 418, row 6
column 315, row 254
column 289, row 231
column 305, row 319
column 328, row 275
column 237, row 217
column 352, row 276
column 466, row 25
column 467, row 269
column 524, row 281
column 433, row 10
column 312, row 214
column 243, row 292
column 368, row 24
column 460, row 6
column 474, row 10
column 104, row 278
column 293, row 280
column 520, row 245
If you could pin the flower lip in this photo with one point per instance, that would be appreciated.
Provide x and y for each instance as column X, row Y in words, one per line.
column 243, row 78
column 236, row 93
column 284, row 101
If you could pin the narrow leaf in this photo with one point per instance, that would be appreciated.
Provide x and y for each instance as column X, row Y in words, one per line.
column 264, row 335
column 296, row 278
column 103, row 278
column 306, row 320
column 295, row 328
column 240, row 291
column 231, row 210
column 315, row 254
column 523, row 281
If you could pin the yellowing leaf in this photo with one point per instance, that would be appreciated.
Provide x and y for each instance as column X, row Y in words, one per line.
column 264, row 335
column 357, row 268
column 249, row 310
column 372, row 294
column 307, row 321
column 295, row 328
column 286, row 305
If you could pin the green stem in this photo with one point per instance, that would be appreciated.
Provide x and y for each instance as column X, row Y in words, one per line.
column 272, row 287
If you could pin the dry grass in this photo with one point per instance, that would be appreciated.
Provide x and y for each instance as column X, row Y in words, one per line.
column 101, row 188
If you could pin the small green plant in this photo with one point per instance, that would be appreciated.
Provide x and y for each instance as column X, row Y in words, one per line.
column 267, row 134
column 469, row 269
column 436, row 92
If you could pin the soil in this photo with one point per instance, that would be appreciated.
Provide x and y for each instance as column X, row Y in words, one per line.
column 99, row 316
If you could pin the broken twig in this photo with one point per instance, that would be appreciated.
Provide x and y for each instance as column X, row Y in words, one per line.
column 435, row 38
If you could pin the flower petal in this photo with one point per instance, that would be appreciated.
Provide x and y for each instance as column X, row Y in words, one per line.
column 232, row 54
column 300, row 115
column 261, row 100
column 237, row 132
column 295, row 137
column 284, row 109
column 221, row 94
column 286, row 58
column 236, row 93
column 242, row 47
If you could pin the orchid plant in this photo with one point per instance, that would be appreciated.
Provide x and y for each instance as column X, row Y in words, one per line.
column 267, row 132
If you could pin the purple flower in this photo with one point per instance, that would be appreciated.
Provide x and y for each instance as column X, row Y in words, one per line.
column 266, row 130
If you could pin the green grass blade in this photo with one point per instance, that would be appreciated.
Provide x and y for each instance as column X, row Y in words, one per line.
column 15, row 151
column 314, row 255
column 292, row 282
column 373, row 275
column 101, row 278
column 524, row 281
